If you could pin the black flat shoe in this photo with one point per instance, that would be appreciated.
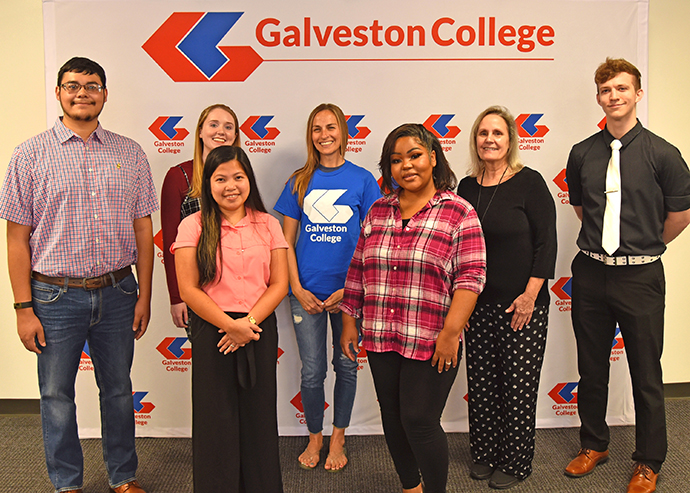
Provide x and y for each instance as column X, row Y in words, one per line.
column 481, row 471
column 502, row 481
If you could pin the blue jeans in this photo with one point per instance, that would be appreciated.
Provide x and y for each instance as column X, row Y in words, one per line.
column 311, row 332
column 104, row 318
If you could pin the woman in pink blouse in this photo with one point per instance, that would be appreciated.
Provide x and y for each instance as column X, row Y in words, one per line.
column 231, row 262
column 414, row 279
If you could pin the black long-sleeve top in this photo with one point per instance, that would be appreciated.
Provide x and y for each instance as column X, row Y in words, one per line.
column 520, row 232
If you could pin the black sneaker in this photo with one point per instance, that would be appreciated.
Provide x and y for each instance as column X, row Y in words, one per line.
column 481, row 471
column 502, row 481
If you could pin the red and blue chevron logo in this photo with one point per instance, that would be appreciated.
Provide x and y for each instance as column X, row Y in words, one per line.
column 618, row 342
column 186, row 47
column 561, row 181
column 255, row 128
column 86, row 352
column 438, row 125
column 526, row 125
column 164, row 128
column 564, row 393
column 353, row 131
column 602, row 124
column 171, row 348
column 563, row 288
column 139, row 406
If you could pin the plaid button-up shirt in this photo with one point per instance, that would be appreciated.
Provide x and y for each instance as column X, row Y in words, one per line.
column 401, row 280
column 80, row 199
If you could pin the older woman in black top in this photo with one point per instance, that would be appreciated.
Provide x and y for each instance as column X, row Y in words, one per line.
column 507, row 331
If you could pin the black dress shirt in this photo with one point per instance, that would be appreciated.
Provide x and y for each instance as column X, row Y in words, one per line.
column 654, row 180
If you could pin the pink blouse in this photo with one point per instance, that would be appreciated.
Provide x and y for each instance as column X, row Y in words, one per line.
column 245, row 272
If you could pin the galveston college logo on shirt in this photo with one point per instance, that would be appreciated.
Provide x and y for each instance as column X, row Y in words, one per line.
column 325, row 216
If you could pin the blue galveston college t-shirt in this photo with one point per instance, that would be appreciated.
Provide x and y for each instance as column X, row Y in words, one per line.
column 334, row 207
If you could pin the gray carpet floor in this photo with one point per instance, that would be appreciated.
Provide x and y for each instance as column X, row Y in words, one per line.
column 165, row 463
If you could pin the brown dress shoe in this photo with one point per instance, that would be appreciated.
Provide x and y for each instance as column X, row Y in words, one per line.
column 585, row 462
column 131, row 487
column 643, row 479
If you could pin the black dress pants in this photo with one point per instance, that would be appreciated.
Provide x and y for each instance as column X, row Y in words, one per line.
column 632, row 296
column 235, row 424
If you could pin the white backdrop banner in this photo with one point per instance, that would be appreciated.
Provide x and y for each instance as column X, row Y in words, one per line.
column 384, row 63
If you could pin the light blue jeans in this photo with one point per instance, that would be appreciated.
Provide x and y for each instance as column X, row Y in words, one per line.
column 103, row 317
column 311, row 333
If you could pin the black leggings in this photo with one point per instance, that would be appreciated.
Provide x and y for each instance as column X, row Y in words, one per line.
column 412, row 395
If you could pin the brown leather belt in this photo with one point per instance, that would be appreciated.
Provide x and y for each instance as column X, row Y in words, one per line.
column 87, row 283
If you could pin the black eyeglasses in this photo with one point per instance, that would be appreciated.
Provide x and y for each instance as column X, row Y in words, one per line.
column 74, row 87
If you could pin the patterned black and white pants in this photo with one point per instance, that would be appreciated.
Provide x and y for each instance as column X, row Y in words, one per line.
column 503, row 368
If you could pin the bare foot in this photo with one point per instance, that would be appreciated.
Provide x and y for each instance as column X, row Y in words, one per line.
column 309, row 459
column 337, row 454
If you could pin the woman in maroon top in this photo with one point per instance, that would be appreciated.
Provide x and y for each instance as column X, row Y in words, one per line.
column 180, row 196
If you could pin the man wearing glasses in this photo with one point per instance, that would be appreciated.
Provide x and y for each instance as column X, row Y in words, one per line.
column 78, row 201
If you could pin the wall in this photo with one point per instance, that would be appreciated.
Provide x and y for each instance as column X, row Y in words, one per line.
column 23, row 104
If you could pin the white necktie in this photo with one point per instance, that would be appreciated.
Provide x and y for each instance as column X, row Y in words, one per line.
column 611, row 232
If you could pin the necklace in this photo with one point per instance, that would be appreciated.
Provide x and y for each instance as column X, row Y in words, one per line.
column 479, row 195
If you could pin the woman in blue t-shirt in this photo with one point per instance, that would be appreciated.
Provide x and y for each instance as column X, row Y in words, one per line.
column 325, row 201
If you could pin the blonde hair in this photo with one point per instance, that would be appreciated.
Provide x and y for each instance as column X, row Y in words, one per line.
column 198, row 159
column 303, row 176
column 513, row 156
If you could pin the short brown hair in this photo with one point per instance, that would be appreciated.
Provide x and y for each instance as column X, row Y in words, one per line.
column 614, row 66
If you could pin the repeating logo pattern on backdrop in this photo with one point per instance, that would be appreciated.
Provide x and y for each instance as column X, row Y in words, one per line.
column 297, row 402
column 169, row 138
column 564, row 395
column 438, row 125
column 85, row 363
column 562, row 183
column 618, row 346
column 356, row 134
column 529, row 132
column 562, row 288
column 560, row 179
column 261, row 138
column 142, row 409
column 176, row 357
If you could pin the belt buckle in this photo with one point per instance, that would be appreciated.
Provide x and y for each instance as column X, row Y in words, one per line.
column 91, row 283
